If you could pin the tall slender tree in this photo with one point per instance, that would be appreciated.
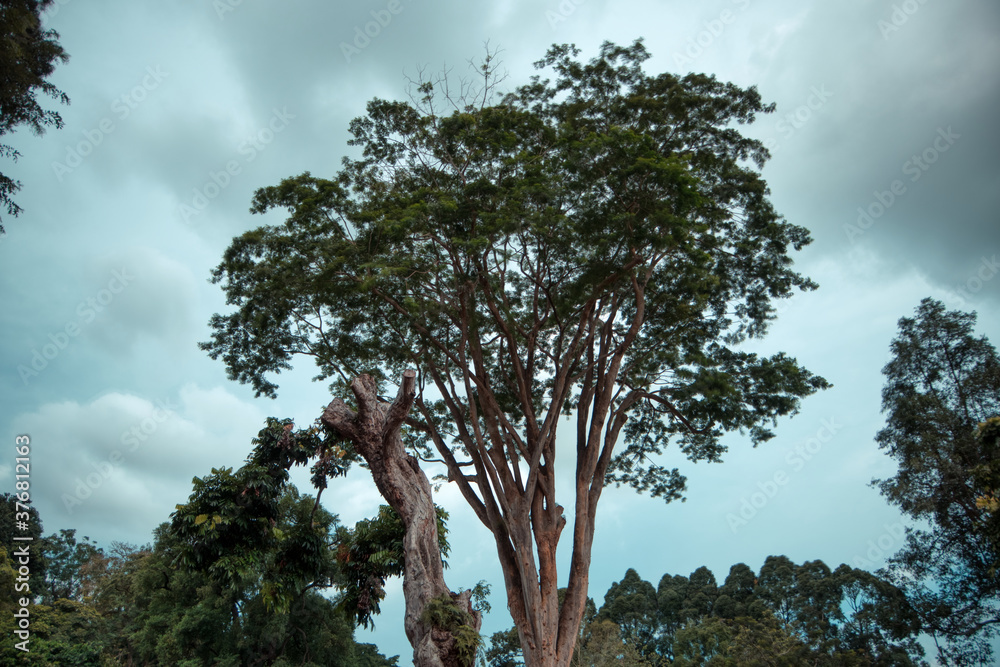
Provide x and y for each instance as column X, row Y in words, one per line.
column 592, row 247
column 942, row 395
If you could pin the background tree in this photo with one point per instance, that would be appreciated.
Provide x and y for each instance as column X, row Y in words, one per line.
column 235, row 579
column 739, row 642
column 942, row 382
column 737, row 595
column 64, row 561
column 602, row 645
column 986, row 478
column 164, row 614
column 879, row 623
column 593, row 246
column 28, row 55
column 504, row 649
column 631, row 605
column 806, row 613
column 9, row 527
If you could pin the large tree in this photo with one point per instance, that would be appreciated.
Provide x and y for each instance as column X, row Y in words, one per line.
column 942, row 391
column 28, row 56
column 594, row 248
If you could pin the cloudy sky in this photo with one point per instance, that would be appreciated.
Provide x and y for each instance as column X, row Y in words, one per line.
column 884, row 145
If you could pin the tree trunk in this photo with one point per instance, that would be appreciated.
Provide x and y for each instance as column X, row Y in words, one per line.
column 374, row 432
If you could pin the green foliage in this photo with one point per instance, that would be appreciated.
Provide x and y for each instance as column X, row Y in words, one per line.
column 791, row 614
column 601, row 645
column 202, row 594
column 742, row 642
column 517, row 242
column 596, row 244
column 504, row 649
column 64, row 561
column 9, row 528
column 28, row 55
column 632, row 605
column 251, row 528
column 167, row 613
column 442, row 612
column 942, row 391
column 170, row 615
column 369, row 554
column 65, row 633
column 786, row 615
column 986, row 478
column 480, row 597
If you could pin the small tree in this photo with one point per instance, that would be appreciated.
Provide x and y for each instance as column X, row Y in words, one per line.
column 64, row 560
column 942, row 389
column 592, row 247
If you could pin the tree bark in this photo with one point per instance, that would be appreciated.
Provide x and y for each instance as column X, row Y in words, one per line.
column 374, row 430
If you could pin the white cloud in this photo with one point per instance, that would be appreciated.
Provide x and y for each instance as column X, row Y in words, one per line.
column 116, row 465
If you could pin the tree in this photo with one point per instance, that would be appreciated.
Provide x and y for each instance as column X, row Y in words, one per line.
column 64, row 561
column 164, row 613
column 28, row 55
column 942, row 383
column 594, row 247
column 250, row 530
column 879, row 623
column 632, row 606
column 986, row 477
column 840, row 617
column 740, row 642
column 10, row 516
column 602, row 645
column 370, row 553
column 504, row 649
column 270, row 549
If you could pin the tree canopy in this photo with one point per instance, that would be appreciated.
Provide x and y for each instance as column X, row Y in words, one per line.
column 28, row 55
column 592, row 247
column 236, row 578
column 942, row 400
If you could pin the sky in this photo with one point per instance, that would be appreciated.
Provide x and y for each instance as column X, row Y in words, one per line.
column 884, row 143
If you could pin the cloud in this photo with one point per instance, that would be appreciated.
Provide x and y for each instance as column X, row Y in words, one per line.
column 157, row 298
column 115, row 466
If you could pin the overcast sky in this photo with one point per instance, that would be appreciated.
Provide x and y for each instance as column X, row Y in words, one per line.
column 885, row 145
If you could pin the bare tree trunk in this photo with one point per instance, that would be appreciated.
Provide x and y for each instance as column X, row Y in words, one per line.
column 374, row 431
